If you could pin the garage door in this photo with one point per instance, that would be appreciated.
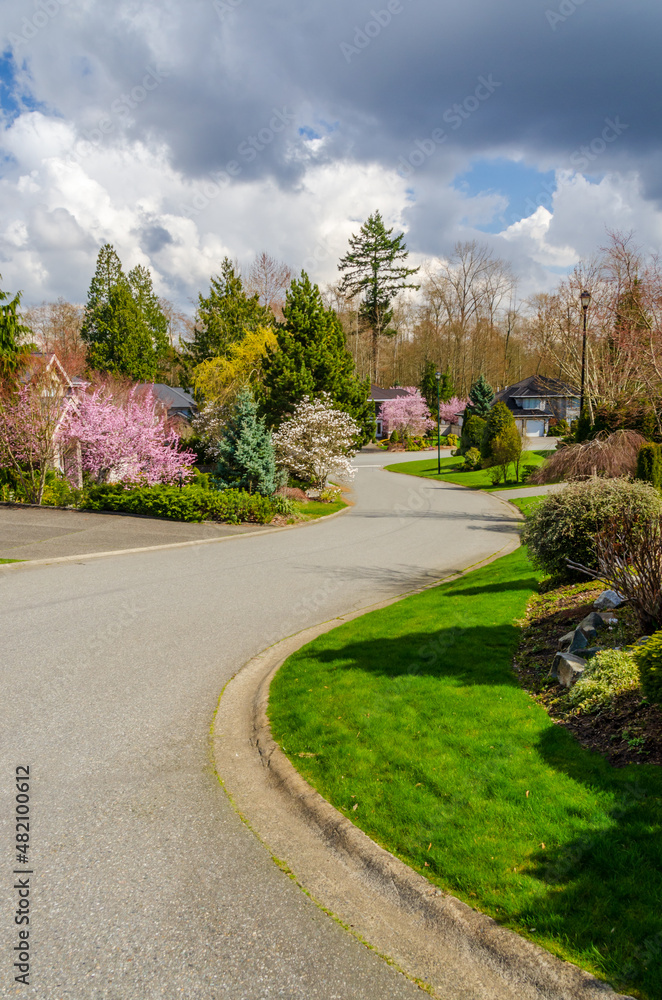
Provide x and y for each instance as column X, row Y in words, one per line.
column 535, row 428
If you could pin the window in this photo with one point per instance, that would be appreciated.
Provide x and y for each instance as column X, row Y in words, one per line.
column 531, row 404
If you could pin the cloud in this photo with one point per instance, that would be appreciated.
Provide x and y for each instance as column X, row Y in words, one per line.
column 187, row 129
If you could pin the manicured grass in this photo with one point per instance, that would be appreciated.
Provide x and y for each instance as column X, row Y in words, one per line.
column 527, row 504
column 411, row 722
column 313, row 508
column 452, row 471
column 11, row 560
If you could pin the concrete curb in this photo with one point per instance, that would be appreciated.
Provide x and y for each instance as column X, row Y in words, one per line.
column 23, row 564
column 439, row 942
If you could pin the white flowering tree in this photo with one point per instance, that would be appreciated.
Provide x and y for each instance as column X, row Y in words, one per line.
column 317, row 441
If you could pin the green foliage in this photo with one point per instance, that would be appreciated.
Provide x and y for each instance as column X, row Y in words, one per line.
column 649, row 464
column 190, row 503
column 395, row 437
column 481, row 396
column 428, row 386
column 246, row 455
column 313, row 359
column 124, row 327
column 12, row 331
column 636, row 416
column 559, row 429
column 507, row 450
column 472, row 459
column 648, row 657
column 499, row 420
column 583, row 426
column 375, row 267
column 473, row 429
column 608, row 674
column 526, row 471
column 452, row 440
column 565, row 524
column 223, row 317
column 496, row 475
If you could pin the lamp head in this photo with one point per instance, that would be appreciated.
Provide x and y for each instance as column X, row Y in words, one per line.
column 585, row 299
column 437, row 375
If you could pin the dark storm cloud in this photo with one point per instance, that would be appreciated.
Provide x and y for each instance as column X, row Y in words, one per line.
column 388, row 74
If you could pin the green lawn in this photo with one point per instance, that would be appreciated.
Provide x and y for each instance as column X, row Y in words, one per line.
column 313, row 508
column 411, row 722
column 11, row 560
column 452, row 471
column 527, row 504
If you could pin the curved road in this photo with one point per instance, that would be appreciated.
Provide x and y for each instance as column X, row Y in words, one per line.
column 147, row 883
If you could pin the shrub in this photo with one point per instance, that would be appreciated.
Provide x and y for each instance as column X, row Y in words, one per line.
column 608, row 674
column 330, row 494
column 527, row 472
column 472, row 460
column 190, row 503
column 507, row 450
column 564, row 525
column 629, row 559
column 395, row 437
column 612, row 456
column 472, row 433
column 499, row 421
column 495, row 475
column 559, row 429
column 648, row 657
column 452, row 440
column 282, row 504
column 649, row 464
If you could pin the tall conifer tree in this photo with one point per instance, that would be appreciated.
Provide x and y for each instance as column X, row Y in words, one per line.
column 246, row 455
column 312, row 359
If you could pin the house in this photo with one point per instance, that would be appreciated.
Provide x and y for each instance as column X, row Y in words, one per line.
column 178, row 402
column 379, row 396
column 538, row 399
column 58, row 388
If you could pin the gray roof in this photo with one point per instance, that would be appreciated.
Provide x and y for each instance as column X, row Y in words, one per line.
column 380, row 395
column 538, row 387
column 173, row 397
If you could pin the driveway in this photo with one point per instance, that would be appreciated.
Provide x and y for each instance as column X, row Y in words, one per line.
column 146, row 881
column 48, row 533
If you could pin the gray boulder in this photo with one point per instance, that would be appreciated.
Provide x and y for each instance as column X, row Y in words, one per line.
column 607, row 600
column 567, row 667
column 573, row 641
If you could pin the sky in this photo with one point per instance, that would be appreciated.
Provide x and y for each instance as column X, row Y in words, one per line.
column 185, row 131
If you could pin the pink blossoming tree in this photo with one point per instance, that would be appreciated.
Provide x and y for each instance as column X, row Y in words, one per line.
column 449, row 412
column 29, row 419
column 407, row 414
column 126, row 443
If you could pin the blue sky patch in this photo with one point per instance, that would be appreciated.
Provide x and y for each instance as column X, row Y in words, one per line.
column 525, row 188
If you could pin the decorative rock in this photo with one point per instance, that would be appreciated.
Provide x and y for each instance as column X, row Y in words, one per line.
column 588, row 631
column 607, row 600
column 590, row 652
column 572, row 641
column 592, row 620
column 567, row 668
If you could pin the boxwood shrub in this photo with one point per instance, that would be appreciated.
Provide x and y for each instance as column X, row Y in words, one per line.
column 648, row 657
column 564, row 525
column 190, row 503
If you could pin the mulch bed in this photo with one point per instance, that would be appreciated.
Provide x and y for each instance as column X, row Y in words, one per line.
column 629, row 731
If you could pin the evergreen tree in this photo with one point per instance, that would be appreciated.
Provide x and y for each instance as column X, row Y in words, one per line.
column 375, row 267
column 428, row 385
column 446, row 388
column 312, row 358
column 223, row 317
column 498, row 422
column 12, row 353
column 472, row 433
column 124, row 327
column 246, row 454
column 481, row 396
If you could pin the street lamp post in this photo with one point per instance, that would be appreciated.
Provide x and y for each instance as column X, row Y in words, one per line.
column 437, row 376
column 585, row 299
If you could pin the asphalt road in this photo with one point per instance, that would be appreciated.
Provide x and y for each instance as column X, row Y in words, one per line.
column 146, row 882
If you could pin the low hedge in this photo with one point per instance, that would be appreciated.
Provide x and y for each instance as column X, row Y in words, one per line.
column 190, row 503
